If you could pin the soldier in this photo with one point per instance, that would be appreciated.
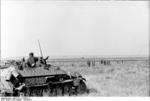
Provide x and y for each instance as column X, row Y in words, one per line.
column 43, row 61
column 31, row 61
column 23, row 62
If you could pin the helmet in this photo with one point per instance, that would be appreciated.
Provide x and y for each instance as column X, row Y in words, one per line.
column 31, row 53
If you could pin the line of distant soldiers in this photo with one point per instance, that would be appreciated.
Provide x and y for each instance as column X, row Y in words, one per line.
column 104, row 62
column 93, row 63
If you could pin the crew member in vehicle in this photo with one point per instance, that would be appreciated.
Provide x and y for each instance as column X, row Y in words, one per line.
column 31, row 61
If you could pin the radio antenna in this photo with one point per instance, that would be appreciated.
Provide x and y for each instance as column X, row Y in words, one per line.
column 40, row 48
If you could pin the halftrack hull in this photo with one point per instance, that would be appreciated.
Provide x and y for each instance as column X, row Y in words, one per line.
column 52, row 82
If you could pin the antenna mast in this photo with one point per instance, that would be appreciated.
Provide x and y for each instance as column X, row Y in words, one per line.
column 40, row 48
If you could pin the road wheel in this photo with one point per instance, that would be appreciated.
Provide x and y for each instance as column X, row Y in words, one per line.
column 81, row 89
column 46, row 92
column 21, row 94
column 27, row 92
column 59, row 91
column 39, row 92
column 53, row 92
column 34, row 93
column 67, row 90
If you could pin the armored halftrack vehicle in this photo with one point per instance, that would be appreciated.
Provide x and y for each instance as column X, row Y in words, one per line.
column 40, row 81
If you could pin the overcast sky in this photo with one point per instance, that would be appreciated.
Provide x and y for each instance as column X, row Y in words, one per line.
column 74, row 28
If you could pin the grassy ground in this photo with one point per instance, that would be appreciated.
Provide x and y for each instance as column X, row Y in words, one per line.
column 127, row 79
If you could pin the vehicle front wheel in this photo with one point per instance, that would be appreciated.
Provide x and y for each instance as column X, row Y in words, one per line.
column 82, row 88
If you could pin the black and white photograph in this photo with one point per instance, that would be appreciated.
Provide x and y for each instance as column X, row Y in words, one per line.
column 74, row 48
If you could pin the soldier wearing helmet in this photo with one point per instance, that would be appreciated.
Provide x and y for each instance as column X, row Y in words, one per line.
column 31, row 61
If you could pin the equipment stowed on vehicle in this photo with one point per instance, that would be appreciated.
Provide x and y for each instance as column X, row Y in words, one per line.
column 46, row 82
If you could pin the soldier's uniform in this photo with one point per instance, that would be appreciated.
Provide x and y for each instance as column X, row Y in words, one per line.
column 31, row 61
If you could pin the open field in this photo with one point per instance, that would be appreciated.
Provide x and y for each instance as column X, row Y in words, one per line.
column 118, row 77
column 130, row 78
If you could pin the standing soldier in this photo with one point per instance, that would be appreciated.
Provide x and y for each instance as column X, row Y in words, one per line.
column 31, row 61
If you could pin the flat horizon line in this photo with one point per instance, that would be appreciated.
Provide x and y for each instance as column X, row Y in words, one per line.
column 85, row 56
